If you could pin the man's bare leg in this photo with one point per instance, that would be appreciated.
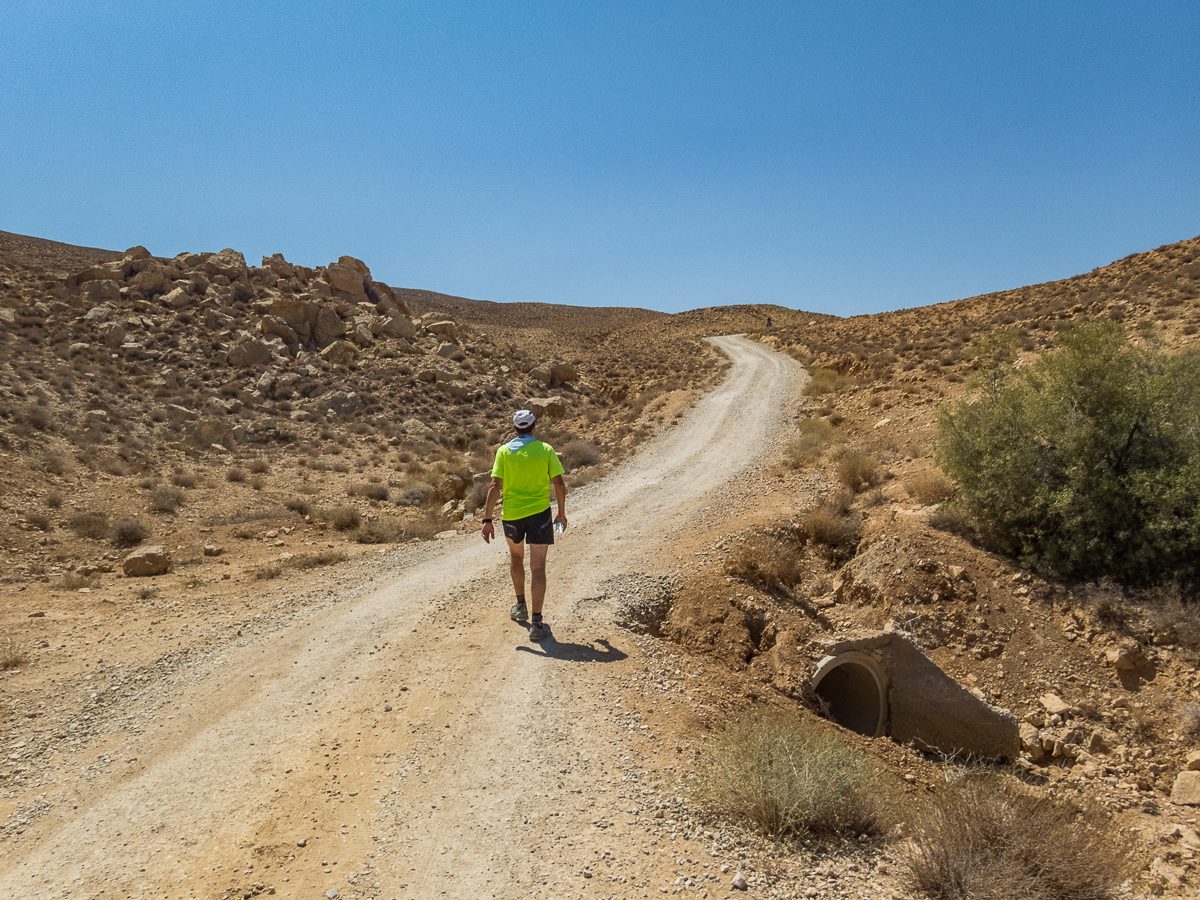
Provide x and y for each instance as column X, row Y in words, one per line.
column 537, row 567
column 516, row 567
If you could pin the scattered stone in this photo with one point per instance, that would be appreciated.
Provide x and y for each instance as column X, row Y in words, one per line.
column 1193, row 761
column 1055, row 705
column 739, row 882
column 213, row 550
column 1186, row 791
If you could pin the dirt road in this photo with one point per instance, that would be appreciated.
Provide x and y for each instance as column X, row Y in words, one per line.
column 406, row 739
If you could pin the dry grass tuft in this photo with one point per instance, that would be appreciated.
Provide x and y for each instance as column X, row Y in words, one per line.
column 930, row 486
column 73, row 581
column 789, row 777
column 579, row 453
column 370, row 491
column 91, row 525
column 12, row 654
column 767, row 561
column 816, row 435
column 858, row 470
column 343, row 518
column 129, row 533
column 166, row 498
column 990, row 839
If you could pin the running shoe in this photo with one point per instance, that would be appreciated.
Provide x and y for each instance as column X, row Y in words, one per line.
column 519, row 612
column 538, row 630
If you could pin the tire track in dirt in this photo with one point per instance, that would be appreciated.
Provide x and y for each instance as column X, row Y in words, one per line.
column 483, row 778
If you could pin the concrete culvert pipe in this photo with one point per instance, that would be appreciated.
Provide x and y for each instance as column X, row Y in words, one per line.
column 853, row 687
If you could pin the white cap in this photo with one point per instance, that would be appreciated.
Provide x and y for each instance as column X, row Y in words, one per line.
column 523, row 418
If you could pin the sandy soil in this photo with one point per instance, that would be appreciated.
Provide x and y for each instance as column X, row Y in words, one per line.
column 404, row 738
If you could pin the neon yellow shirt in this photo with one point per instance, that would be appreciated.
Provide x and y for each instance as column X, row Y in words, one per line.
column 526, row 465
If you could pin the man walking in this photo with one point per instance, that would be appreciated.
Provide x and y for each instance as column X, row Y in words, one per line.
column 524, row 469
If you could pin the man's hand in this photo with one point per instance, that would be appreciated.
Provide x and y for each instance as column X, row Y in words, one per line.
column 561, row 518
column 489, row 532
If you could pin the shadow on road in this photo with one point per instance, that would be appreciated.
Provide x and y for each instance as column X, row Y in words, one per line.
column 599, row 651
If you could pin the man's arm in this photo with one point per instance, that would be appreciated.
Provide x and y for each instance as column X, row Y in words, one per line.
column 560, row 494
column 493, row 494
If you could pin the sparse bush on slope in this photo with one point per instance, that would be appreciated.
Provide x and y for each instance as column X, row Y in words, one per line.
column 786, row 776
column 1086, row 464
column 991, row 839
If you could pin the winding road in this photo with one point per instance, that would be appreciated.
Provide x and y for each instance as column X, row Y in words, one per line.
column 408, row 740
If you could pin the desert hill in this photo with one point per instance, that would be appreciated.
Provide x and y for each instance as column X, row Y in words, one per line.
column 260, row 423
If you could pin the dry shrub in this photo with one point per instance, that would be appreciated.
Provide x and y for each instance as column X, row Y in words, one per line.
column 91, row 525
column 12, row 654
column 828, row 524
column 184, row 479
column 426, row 526
column 827, row 381
column 258, row 482
column 386, row 530
column 954, row 521
column 259, row 467
column 415, row 494
column 305, row 561
column 55, row 464
column 300, row 506
column 54, row 500
column 343, row 518
column 235, row 475
column 266, row 572
column 370, row 491
column 789, row 777
column 39, row 520
column 129, row 533
column 990, row 839
column 857, row 470
column 930, row 486
column 768, row 561
column 73, row 581
column 579, row 453
column 166, row 498
column 815, row 436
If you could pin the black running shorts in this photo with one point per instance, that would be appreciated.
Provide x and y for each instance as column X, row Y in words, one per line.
column 536, row 529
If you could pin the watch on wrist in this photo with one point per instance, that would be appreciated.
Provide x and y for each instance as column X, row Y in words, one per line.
column 487, row 521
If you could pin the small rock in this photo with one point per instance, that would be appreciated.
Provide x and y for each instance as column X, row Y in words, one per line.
column 303, row 842
column 331, row 893
column 387, row 707
column 739, row 882
column 1193, row 760
column 1055, row 705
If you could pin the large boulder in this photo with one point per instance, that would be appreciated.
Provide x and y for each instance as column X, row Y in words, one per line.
column 349, row 262
column 147, row 561
column 547, row 407
column 177, row 298
column 342, row 278
column 399, row 327
column 444, row 329
column 415, row 428
column 280, row 266
column 563, row 373
column 151, row 280
column 299, row 315
column 112, row 271
column 102, row 291
column 277, row 326
column 329, row 326
column 212, row 432
column 250, row 354
column 228, row 262
column 340, row 353
column 338, row 404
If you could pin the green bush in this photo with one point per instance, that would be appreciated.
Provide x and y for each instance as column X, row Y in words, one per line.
column 1086, row 464
column 786, row 776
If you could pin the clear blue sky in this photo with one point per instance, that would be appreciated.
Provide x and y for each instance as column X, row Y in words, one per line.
column 840, row 157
